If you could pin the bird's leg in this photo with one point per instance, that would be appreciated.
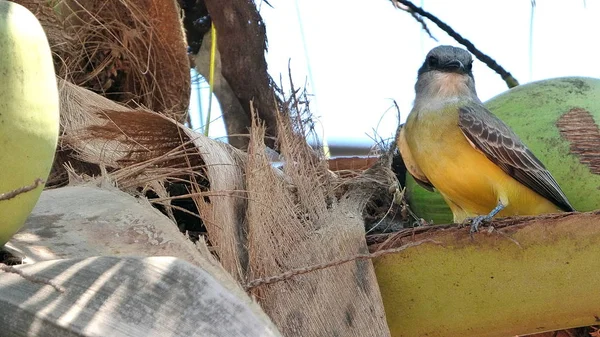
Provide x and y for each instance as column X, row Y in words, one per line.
column 481, row 218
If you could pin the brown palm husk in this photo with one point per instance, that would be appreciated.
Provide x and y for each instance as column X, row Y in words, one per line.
column 296, row 220
column 131, row 51
column 141, row 150
column 260, row 221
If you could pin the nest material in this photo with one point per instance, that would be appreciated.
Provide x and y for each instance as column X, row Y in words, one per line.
column 131, row 51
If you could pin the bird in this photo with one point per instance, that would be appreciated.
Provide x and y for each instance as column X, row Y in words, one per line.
column 452, row 143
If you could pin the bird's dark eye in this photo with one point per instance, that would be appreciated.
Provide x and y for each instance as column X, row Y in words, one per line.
column 432, row 61
column 470, row 66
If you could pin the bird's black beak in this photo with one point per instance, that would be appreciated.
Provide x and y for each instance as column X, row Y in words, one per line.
column 454, row 66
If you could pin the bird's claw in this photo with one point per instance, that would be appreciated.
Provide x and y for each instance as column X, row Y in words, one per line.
column 476, row 221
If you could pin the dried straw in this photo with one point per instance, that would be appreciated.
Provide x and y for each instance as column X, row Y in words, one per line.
column 131, row 51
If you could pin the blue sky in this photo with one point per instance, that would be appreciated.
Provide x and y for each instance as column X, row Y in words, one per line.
column 356, row 56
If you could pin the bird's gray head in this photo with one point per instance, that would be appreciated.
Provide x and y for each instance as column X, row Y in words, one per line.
column 446, row 72
column 448, row 59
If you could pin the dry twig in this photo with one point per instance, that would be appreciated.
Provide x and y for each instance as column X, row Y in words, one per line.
column 491, row 63
column 299, row 271
column 31, row 278
column 11, row 194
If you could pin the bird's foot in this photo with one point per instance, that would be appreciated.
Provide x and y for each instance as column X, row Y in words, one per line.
column 477, row 221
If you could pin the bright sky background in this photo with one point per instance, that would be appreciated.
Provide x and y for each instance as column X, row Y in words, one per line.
column 356, row 56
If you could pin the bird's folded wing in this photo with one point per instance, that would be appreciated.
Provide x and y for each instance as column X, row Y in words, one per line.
column 502, row 146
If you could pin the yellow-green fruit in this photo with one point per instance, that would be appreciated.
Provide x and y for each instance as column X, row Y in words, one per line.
column 29, row 113
column 515, row 281
column 559, row 120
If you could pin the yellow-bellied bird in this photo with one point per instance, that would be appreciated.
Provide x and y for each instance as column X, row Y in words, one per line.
column 452, row 143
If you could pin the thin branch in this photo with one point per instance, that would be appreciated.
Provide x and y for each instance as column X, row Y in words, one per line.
column 416, row 17
column 423, row 25
column 21, row 190
column 31, row 278
column 491, row 63
column 299, row 271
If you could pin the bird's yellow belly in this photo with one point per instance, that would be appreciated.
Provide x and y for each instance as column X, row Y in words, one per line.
column 471, row 184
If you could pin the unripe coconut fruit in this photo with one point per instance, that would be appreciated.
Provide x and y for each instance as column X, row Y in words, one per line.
column 559, row 120
column 29, row 113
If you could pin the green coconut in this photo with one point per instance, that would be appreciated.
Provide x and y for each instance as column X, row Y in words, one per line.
column 29, row 113
column 558, row 120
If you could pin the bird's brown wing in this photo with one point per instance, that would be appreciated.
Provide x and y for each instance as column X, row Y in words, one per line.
column 503, row 147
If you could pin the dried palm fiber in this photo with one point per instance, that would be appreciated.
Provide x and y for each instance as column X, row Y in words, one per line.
column 140, row 147
column 297, row 222
column 132, row 51
column 294, row 219
column 223, row 208
column 46, row 11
